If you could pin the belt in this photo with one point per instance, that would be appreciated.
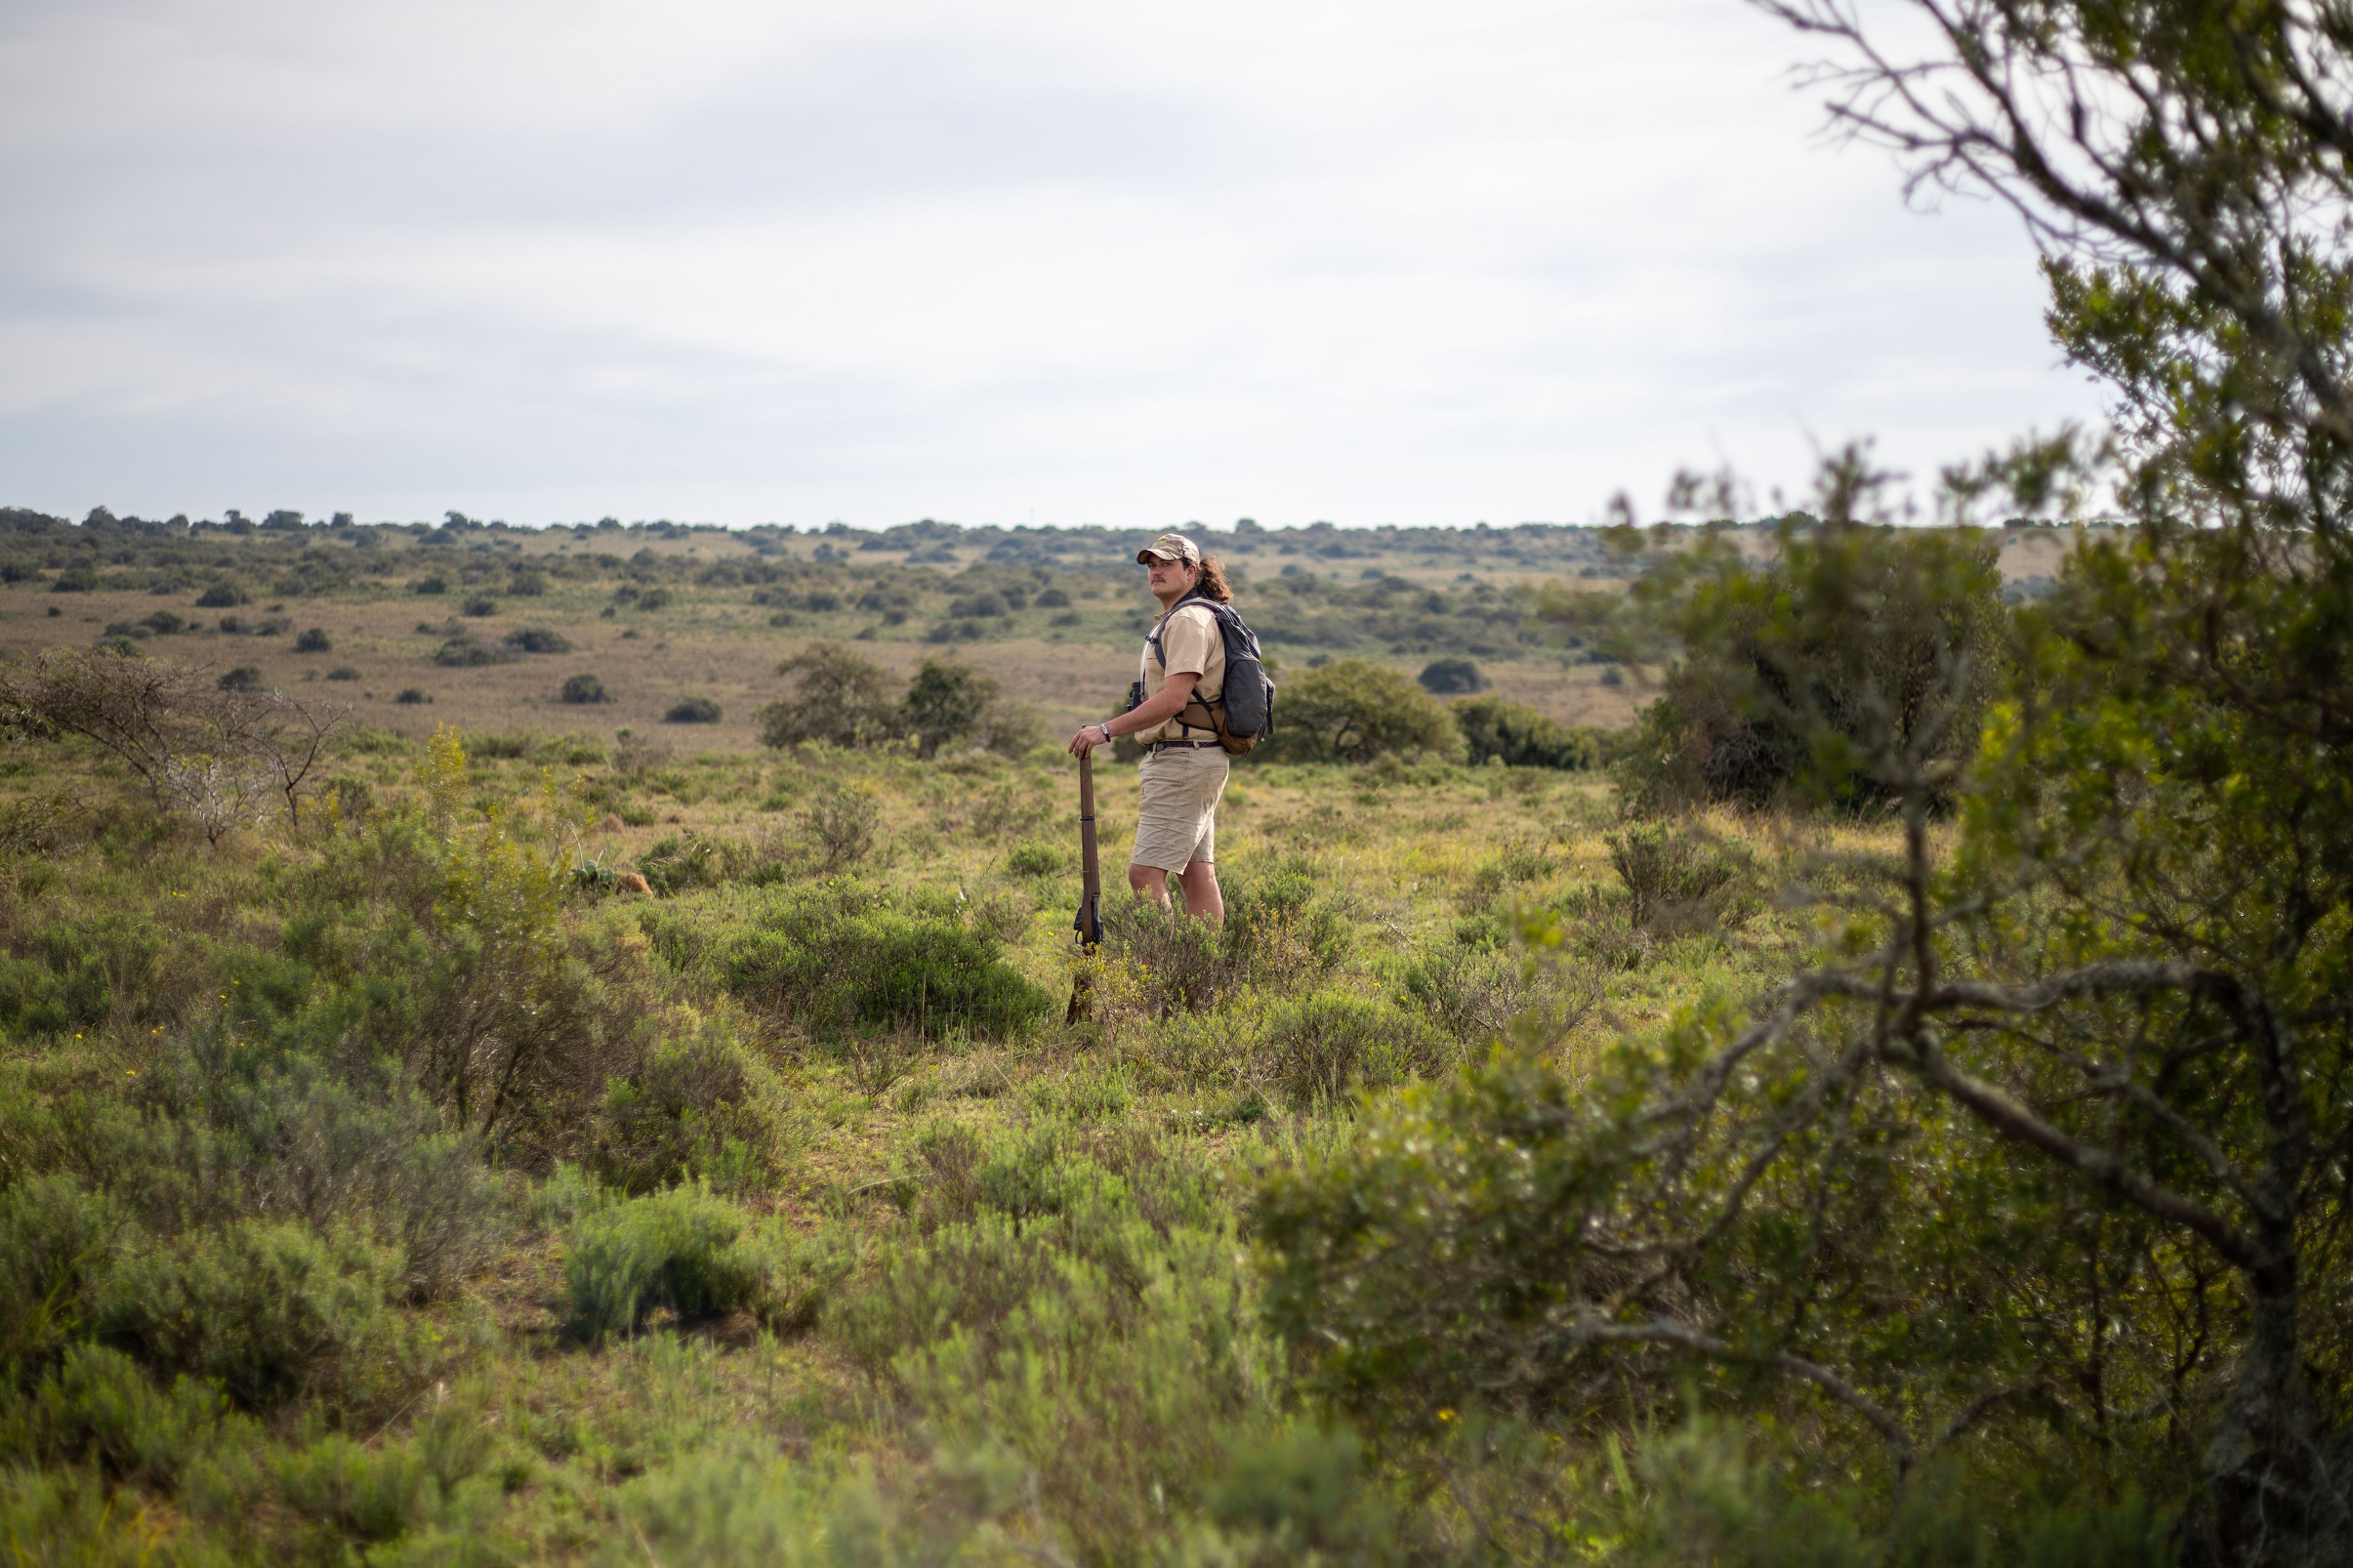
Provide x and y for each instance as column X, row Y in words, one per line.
column 1181, row 745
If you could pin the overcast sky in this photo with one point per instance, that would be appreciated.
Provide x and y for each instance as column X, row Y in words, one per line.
column 1039, row 261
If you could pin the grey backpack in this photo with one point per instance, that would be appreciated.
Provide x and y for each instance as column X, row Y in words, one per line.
column 1241, row 713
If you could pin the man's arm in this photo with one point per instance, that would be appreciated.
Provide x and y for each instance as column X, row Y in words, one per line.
column 1155, row 710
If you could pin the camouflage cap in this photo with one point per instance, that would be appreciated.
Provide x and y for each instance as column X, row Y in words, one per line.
column 1170, row 546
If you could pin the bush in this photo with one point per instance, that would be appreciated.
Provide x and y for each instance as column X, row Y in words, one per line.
column 314, row 639
column 1792, row 669
column 1036, row 857
column 301, row 1140
column 839, row 958
column 428, row 584
column 840, row 823
column 1677, row 881
column 681, row 1250
column 411, row 695
column 478, row 608
column 538, row 639
column 56, row 1243
column 97, row 1407
column 582, row 690
column 271, row 1311
column 694, row 710
column 222, row 597
column 1448, row 678
column 687, row 1110
column 1522, row 737
column 243, row 678
column 1331, row 1044
column 947, row 701
column 838, row 697
column 1353, row 711
column 343, row 672
column 468, row 651
column 680, row 862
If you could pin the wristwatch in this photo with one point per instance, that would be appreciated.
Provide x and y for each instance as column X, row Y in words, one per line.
column 1106, row 729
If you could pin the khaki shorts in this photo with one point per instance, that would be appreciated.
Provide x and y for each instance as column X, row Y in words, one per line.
column 1178, row 825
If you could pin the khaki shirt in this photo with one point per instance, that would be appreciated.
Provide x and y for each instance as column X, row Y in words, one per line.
column 1189, row 641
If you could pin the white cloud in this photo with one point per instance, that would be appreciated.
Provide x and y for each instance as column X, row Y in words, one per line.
column 742, row 261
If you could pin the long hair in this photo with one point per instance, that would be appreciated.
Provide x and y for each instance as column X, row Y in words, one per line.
column 1210, row 582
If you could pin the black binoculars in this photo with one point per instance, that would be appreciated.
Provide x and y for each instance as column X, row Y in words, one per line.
column 1135, row 696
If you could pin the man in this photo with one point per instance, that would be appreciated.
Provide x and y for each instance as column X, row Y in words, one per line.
column 1183, row 769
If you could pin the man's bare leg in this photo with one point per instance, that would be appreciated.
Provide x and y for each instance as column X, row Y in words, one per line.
column 1203, row 899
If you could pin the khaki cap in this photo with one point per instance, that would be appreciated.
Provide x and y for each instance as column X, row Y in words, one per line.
column 1171, row 547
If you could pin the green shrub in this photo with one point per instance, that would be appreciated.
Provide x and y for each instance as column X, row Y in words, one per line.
column 582, row 690
column 412, row 695
column 694, row 710
column 1448, row 678
column 1472, row 993
column 273, row 1310
column 682, row 1250
column 838, row 698
column 366, row 1495
column 687, row 1110
column 1305, row 1494
column 222, row 597
column 343, row 672
column 1522, row 737
column 1676, row 880
column 1791, row 667
column 1354, row 710
column 1036, row 857
column 480, row 608
column 366, row 1151
column 313, row 640
column 1117, row 1357
column 69, row 1520
column 839, row 958
column 466, row 651
column 98, row 1407
column 1274, row 923
column 243, row 678
column 538, row 639
column 680, row 862
column 57, row 1245
column 840, row 823
column 948, row 702
column 1322, row 1047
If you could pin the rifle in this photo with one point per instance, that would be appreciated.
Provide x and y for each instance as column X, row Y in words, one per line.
column 1089, row 922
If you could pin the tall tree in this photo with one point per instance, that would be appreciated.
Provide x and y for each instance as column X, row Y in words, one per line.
column 2052, row 1146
